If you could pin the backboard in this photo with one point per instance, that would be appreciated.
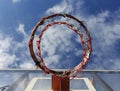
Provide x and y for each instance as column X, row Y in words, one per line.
column 20, row 80
column 44, row 84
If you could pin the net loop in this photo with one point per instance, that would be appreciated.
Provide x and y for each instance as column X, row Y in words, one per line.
column 85, row 40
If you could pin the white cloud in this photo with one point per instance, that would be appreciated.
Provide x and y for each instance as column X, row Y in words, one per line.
column 23, row 58
column 57, row 43
column 63, row 7
column 6, row 58
column 16, row 1
column 104, row 34
column 27, row 65
column 50, row 60
column 14, row 53
column 21, row 29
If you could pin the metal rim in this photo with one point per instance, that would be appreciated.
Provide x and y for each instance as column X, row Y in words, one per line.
column 86, row 50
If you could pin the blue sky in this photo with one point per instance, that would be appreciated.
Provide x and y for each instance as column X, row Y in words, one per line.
column 18, row 17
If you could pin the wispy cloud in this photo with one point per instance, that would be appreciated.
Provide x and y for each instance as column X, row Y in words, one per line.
column 60, row 46
column 27, row 65
column 16, row 1
column 6, row 58
column 105, row 35
column 21, row 29
column 13, row 53
column 63, row 7
column 56, row 43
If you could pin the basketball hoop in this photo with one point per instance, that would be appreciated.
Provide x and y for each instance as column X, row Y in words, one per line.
column 85, row 40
